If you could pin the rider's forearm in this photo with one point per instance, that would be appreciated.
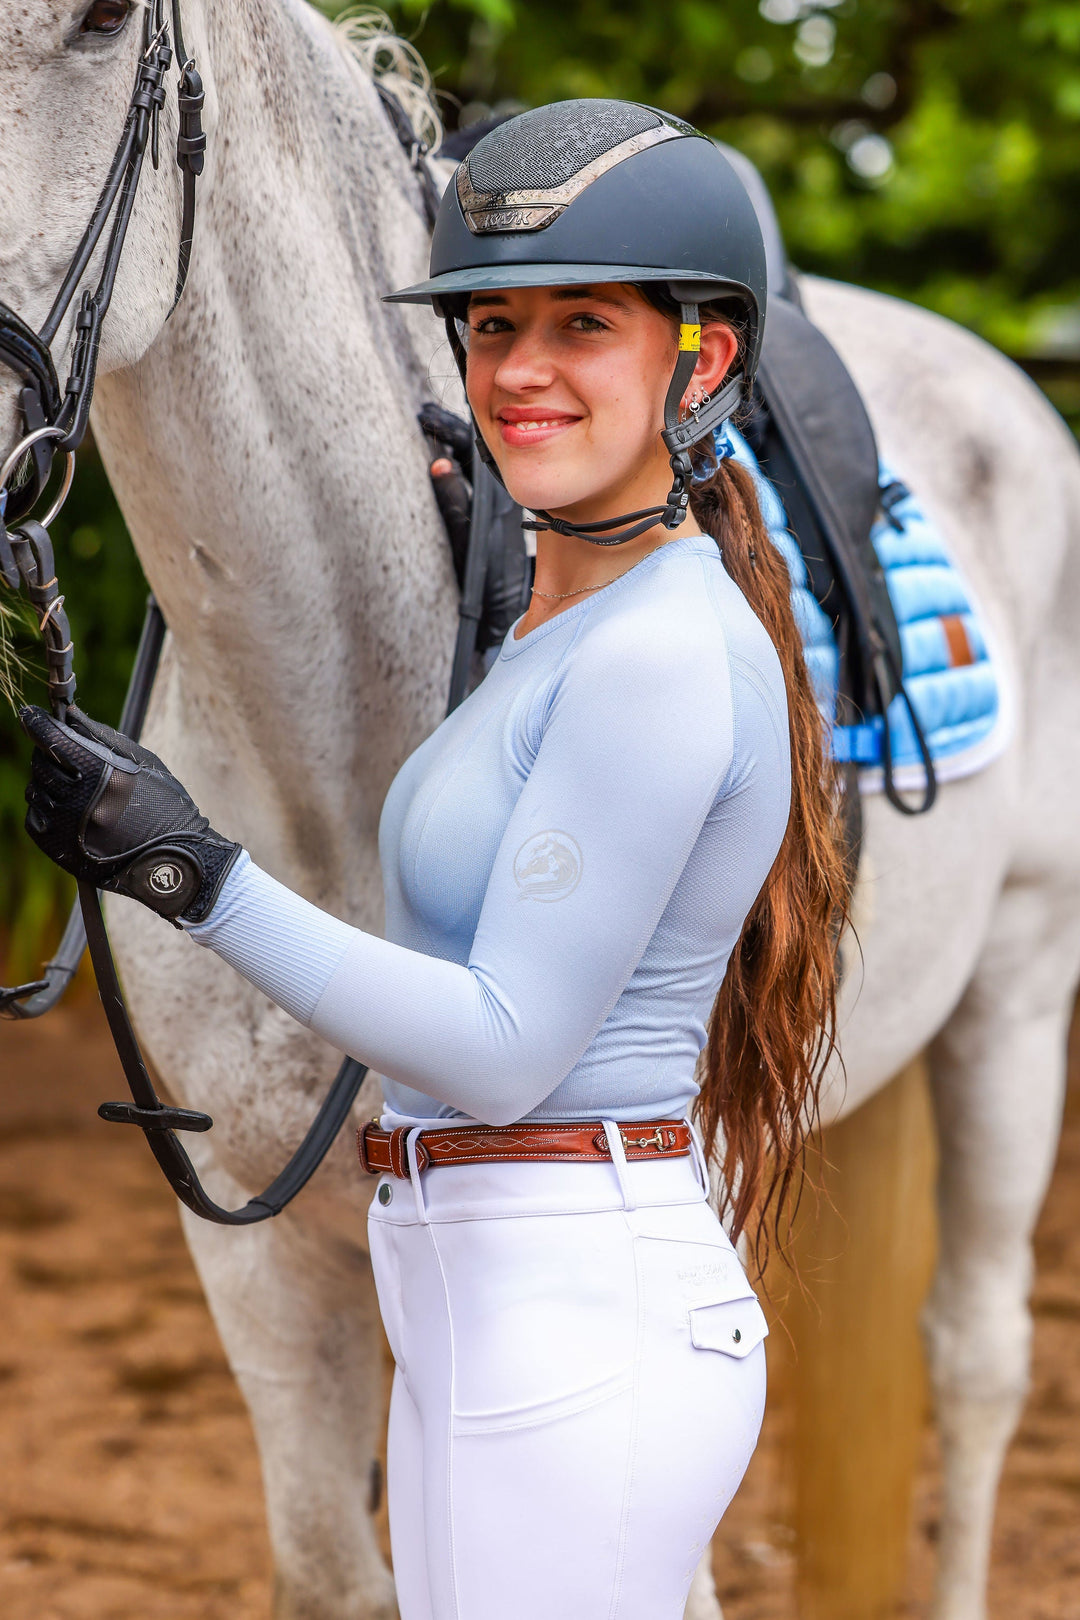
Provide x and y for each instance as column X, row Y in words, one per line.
column 284, row 945
column 427, row 1023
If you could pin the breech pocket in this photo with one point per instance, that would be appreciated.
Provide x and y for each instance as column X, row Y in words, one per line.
column 704, row 1336
column 543, row 1317
column 732, row 1326
column 694, row 1280
column 685, row 1256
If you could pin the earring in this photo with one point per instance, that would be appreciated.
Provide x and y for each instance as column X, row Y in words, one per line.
column 697, row 399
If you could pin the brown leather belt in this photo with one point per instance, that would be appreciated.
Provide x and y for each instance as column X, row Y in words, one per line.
column 383, row 1152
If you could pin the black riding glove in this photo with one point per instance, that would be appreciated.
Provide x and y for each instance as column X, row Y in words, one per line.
column 110, row 813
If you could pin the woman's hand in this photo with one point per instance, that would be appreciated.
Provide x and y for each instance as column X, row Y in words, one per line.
column 110, row 813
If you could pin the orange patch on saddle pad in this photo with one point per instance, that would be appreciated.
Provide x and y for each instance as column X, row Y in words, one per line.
column 956, row 638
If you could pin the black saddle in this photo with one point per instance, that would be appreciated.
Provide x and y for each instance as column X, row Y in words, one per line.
column 813, row 439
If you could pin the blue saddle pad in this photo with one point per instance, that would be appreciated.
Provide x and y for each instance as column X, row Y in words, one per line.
column 949, row 673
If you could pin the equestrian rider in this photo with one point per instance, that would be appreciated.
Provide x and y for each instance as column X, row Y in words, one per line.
column 627, row 816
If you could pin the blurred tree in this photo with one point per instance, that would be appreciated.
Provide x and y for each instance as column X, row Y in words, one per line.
column 930, row 148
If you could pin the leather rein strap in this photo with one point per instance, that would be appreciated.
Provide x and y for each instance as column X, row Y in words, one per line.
column 86, row 926
column 159, row 1122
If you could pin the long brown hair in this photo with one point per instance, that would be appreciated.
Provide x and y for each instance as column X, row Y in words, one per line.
column 773, row 1023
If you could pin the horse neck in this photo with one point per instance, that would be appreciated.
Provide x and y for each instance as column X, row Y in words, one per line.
column 266, row 456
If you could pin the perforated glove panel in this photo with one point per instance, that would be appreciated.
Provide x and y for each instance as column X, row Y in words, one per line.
column 110, row 813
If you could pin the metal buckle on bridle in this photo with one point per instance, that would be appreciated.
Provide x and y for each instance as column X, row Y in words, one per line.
column 162, row 34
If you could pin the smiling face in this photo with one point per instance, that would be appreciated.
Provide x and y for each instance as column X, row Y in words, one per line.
column 567, row 385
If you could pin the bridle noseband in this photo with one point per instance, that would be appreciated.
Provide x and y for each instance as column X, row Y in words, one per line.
column 28, row 353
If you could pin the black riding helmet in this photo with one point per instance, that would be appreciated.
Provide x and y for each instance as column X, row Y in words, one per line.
column 583, row 192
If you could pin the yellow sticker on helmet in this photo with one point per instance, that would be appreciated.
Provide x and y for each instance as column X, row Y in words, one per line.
column 689, row 337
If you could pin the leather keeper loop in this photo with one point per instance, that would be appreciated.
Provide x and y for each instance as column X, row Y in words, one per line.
column 362, row 1147
column 399, row 1163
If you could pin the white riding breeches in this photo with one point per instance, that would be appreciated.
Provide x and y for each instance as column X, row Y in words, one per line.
column 580, row 1381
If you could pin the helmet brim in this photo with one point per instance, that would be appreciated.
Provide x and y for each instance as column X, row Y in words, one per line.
column 484, row 278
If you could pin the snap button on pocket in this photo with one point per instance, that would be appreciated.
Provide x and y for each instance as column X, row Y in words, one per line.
column 734, row 1326
column 386, row 1192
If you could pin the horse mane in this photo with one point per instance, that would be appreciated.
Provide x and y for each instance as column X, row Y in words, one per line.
column 367, row 35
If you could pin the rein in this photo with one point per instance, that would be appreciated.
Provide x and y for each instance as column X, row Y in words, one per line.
column 56, row 421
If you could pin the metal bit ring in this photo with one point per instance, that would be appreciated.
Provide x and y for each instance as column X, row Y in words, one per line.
column 62, row 492
column 20, row 450
column 23, row 446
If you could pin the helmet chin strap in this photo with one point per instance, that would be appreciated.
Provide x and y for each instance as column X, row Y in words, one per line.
column 678, row 436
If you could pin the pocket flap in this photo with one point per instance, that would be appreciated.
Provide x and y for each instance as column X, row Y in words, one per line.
column 734, row 1326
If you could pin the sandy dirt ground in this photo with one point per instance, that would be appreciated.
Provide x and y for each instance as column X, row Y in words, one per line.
column 129, row 1483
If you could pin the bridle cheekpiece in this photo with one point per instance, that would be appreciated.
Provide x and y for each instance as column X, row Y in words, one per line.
column 54, row 419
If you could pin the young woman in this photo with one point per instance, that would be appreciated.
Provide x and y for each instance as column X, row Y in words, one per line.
column 630, row 812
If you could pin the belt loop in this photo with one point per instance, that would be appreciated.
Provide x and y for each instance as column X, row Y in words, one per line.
column 697, row 1153
column 616, row 1148
column 415, row 1174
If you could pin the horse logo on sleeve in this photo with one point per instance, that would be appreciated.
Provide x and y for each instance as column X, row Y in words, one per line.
column 548, row 866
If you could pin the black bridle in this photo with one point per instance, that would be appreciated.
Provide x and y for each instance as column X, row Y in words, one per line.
column 28, row 353
column 56, row 422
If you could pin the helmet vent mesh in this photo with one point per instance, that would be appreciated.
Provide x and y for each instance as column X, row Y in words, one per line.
column 547, row 147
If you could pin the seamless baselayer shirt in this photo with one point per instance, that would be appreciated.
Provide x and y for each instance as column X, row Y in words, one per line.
column 568, row 862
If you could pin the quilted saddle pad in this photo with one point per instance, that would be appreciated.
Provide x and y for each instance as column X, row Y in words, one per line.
column 950, row 669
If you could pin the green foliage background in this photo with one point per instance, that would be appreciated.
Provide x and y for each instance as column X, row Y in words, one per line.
column 105, row 599
column 930, row 148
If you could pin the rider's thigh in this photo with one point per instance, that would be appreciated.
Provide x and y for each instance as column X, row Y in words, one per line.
column 589, row 1390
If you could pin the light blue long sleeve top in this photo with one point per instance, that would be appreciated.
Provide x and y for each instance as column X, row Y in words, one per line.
column 568, row 862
